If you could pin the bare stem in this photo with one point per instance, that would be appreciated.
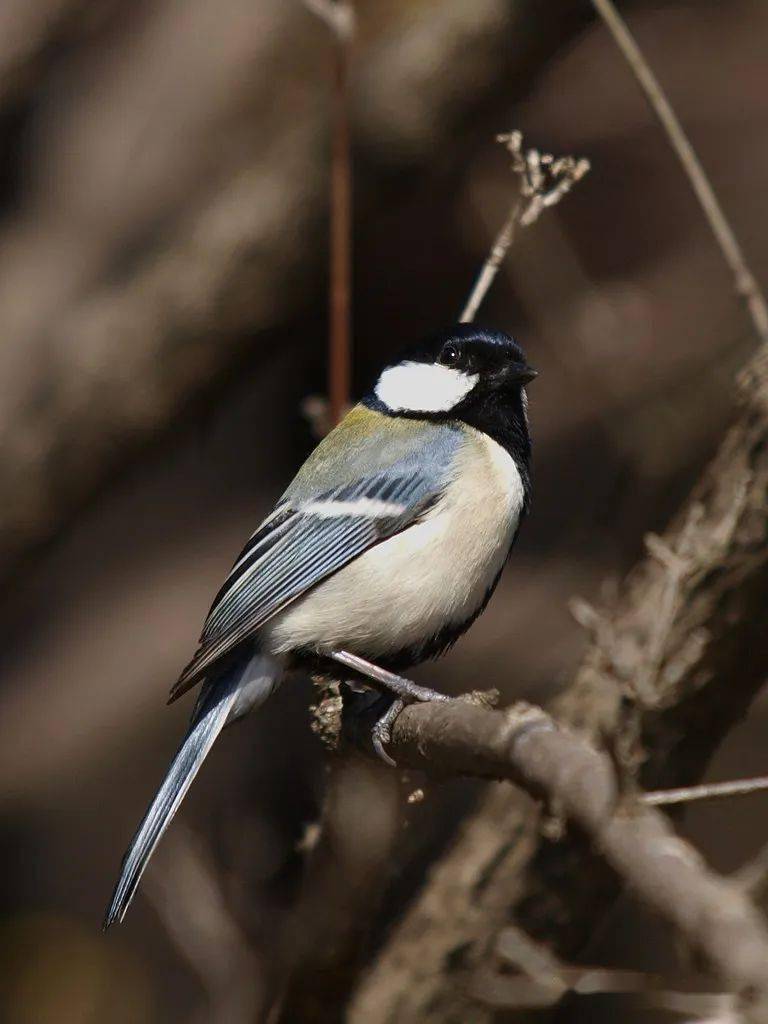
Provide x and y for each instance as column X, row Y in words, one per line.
column 339, row 15
column 706, row 791
column 543, row 180
column 490, row 268
column 745, row 283
column 340, row 341
column 525, row 974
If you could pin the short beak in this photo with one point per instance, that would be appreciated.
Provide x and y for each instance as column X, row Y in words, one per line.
column 524, row 374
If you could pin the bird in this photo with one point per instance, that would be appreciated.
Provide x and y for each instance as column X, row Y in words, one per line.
column 383, row 550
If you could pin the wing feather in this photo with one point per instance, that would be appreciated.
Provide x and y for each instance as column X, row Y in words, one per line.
column 295, row 549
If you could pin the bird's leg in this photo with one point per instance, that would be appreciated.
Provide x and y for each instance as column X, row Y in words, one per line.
column 404, row 691
column 403, row 688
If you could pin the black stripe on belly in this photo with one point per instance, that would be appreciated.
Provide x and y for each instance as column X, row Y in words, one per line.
column 440, row 642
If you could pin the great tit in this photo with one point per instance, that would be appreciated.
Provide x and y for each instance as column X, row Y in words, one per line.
column 384, row 549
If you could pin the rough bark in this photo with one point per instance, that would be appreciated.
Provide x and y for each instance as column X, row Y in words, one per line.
column 526, row 746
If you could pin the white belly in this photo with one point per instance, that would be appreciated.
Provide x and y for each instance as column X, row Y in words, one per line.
column 403, row 591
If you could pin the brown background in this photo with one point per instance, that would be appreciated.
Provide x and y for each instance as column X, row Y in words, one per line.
column 162, row 316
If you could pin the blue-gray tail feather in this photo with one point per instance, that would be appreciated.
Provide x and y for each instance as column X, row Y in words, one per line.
column 210, row 717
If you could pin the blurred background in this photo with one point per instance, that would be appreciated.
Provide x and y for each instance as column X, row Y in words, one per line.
column 163, row 316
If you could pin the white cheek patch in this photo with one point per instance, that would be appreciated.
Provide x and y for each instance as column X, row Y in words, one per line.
column 423, row 387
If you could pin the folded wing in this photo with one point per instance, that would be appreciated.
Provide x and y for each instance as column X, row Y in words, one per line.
column 297, row 547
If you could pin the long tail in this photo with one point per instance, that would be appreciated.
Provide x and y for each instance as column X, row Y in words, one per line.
column 224, row 700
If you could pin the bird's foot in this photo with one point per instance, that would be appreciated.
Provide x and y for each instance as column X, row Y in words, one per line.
column 404, row 691
column 381, row 733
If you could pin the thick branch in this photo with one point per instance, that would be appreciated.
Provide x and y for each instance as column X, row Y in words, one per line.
column 524, row 745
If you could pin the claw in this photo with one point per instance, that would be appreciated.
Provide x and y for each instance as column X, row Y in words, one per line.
column 382, row 731
column 378, row 746
column 404, row 691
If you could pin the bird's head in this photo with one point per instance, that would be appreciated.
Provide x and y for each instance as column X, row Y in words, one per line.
column 455, row 374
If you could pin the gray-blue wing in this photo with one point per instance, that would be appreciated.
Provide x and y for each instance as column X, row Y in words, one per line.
column 298, row 547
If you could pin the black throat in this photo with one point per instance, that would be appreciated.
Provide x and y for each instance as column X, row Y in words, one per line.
column 502, row 416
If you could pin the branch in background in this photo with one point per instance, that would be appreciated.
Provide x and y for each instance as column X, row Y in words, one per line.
column 526, row 746
column 123, row 281
column 339, row 15
column 523, row 974
column 185, row 893
column 753, row 876
column 707, row 791
column 746, row 284
column 27, row 30
column 344, row 880
column 543, row 181
column 131, row 348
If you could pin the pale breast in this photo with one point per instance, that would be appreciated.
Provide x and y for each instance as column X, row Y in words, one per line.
column 433, row 574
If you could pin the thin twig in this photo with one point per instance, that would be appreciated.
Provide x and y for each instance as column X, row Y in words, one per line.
column 339, row 16
column 746, row 285
column 340, row 340
column 489, row 270
column 525, row 974
column 706, row 791
column 675, row 564
column 543, row 181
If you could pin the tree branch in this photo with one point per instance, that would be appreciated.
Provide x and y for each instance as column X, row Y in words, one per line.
column 526, row 746
column 745, row 282
column 184, row 891
column 339, row 15
column 542, row 180
column 707, row 791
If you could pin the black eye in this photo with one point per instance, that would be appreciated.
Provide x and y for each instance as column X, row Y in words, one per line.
column 449, row 356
